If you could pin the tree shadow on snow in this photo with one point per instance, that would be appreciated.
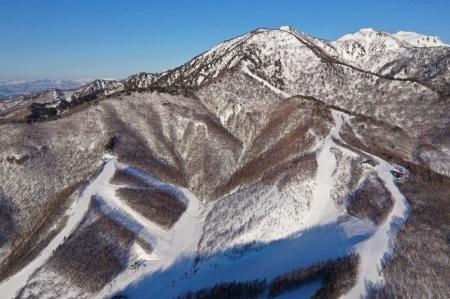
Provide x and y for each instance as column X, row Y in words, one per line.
column 269, row 260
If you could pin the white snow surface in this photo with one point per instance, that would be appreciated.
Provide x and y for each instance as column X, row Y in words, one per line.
column 419, row 40
column 369, row 37
column 323, row 208
column 371, row 50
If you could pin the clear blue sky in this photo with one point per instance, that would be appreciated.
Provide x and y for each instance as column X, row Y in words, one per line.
column 72, row 39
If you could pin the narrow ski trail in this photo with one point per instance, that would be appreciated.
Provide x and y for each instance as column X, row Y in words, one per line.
column 12, row 285
column 178, row 242
column 168, row 245
column 375, row 250
column 323, row 208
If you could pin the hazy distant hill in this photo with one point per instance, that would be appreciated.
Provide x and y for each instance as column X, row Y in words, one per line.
column 9, row 89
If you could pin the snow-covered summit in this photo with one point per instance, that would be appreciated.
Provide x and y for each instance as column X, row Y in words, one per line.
column 419, row 40
column 366, row 42
column 368, row 49
column 369, row 36
column 372, row 50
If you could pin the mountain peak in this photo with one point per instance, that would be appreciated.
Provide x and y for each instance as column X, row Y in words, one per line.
column 399, row 39
column 419, row 40
column 365, row 33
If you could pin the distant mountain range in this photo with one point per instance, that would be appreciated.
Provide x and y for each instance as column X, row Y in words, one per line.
column 9, row 89
column 274, row 165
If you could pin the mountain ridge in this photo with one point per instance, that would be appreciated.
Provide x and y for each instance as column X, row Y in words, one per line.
column 353, row 37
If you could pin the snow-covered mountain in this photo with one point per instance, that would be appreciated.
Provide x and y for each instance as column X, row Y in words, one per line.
column 9, row 89
column 419, row 40
column 373, row 50
column 275, row 164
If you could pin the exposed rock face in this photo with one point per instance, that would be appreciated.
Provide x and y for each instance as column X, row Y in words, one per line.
column 244, row 127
